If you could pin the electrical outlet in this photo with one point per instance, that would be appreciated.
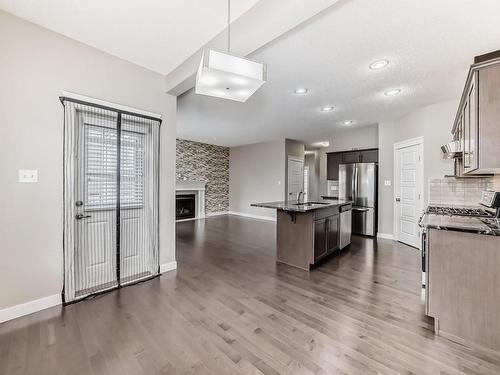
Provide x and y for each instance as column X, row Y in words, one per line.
column 387, row 183
column 27, row 176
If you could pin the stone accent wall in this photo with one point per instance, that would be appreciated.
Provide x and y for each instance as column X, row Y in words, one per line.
column 203, row 162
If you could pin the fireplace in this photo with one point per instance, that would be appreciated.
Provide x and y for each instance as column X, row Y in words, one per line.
column 185, row 206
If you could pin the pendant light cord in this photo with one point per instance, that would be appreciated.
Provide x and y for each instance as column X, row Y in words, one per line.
column 228, row 26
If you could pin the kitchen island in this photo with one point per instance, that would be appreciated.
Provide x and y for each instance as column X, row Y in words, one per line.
column 308, row 232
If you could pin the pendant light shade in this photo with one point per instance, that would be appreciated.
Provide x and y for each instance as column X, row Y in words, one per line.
column 229, row 77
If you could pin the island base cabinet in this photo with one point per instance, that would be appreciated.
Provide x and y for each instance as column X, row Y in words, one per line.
column 305, row 238
column 463, row 287
column 295, row 239
column 320, row 238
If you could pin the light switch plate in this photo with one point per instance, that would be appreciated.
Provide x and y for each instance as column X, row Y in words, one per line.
column 333, row 188
column 387, row 182
column 28, row 176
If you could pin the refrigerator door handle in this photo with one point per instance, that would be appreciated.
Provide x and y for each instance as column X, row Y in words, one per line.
column 355, row 181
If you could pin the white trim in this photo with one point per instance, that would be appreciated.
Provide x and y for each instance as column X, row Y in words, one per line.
column 210, row 214
column 385, row 236
column 417, row 141
column 260, row 217
column 409, row 142
column 105, row 103
column 170, row 266
column 190, row 219
column 30, row 307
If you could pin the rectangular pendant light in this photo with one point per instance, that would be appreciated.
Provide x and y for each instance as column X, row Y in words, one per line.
column 229, row 77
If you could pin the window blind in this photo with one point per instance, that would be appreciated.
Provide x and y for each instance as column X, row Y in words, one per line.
column 101, row 176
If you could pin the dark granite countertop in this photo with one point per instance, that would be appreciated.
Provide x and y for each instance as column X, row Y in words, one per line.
column 292, row 205
column 461, row 223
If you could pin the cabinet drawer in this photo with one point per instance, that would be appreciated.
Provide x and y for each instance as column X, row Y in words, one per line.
column 325, row 212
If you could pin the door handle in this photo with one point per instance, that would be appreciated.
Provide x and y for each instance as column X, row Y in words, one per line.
column 360, row 209
column 398, row 199
column 82, row 216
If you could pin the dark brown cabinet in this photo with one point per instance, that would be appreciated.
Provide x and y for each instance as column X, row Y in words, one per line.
column 369, row 156
column 351, row 157
column 319, row 238
column 326, row 236
column 334, row 159
column 332, row 233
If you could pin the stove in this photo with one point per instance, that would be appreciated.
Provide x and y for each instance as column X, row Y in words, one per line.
column 490, row 215
column 459, row 211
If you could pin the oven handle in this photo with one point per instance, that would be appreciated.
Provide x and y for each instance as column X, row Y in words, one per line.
column 424, row 248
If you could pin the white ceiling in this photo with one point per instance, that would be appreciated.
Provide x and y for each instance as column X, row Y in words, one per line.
column 430, row 44
column 156, row 34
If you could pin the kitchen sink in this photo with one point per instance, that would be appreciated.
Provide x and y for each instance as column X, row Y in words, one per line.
column 309, row 203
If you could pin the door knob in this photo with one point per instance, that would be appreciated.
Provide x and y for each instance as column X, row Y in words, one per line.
column 82, row 216
column 398, row 199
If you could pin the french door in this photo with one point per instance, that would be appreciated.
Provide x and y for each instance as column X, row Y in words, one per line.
column 111, row 171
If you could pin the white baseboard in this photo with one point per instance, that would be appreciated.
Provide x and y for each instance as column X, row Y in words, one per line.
column 210, row 214
column 30, row 307
column 385, row 236
column 260, row 217
column 170, row 266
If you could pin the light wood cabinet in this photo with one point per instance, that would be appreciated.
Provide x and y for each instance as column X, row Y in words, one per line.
column 463, row 286
column 477, row 123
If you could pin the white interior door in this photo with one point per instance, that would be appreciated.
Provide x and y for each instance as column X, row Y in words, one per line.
column 408, row 178
column 295, row 177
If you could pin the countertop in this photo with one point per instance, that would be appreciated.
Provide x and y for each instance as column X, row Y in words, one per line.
column 292, row 205
column 461, row 223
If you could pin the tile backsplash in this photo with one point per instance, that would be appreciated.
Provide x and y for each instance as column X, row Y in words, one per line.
column 460, row 191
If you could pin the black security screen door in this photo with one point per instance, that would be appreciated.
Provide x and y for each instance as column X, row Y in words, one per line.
column 111, row 178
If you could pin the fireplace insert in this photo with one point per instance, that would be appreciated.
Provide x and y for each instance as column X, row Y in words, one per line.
column 185, row 205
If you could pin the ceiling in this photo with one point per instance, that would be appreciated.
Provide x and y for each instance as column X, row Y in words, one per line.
column 429, row 43
column 156, row 34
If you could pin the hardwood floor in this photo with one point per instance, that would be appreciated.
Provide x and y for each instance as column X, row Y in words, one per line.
column 230, row 309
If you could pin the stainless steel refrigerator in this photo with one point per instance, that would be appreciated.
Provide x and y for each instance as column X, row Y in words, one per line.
column 358, row 183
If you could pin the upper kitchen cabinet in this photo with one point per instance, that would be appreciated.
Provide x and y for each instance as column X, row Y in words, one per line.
column 334, row 159
column 477, row 124
column 351, row 157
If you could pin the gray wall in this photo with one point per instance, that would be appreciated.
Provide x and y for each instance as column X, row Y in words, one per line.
column 343, row 140
column 256, row 174
column 434, row 123
column 197, row 161
column 36, row 65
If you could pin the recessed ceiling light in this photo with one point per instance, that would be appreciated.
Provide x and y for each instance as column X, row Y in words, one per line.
column 392, row 92
column 301, row 90
column 347, row 122
column 379, row 64
column 327, row 108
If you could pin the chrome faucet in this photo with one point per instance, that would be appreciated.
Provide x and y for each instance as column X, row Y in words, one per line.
column 301, row 193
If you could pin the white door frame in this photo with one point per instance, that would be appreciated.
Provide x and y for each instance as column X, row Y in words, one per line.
column 417, row 141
